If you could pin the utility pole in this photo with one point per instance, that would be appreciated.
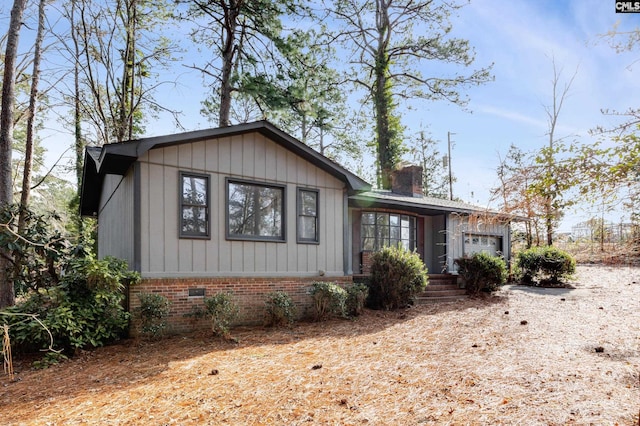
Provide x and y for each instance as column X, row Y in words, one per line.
column 449, row 164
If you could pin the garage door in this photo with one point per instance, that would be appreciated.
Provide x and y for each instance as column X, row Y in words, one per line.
column 482, row 244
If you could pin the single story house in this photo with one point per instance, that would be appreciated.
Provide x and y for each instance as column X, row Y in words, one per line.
column 250, row 209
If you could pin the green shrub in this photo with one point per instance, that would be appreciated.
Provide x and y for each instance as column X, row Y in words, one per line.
column 329, row 299
column 84, row 310
column 528, row 264
column 221, row 310
column 152, row 313
column 38, row 256
column 397, row 275
column 547, row 264
column 356, row 298
column 482, row 272
column 280, row 309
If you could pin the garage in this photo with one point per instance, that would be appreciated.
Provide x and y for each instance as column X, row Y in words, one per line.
column 475, row 243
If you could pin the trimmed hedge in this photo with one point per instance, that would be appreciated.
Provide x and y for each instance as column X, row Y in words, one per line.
column 221, row 310
column 482, row 272
column 397, row 276
column 549, row 265
column 280, row 309
column 329, row 300
column 153, row 312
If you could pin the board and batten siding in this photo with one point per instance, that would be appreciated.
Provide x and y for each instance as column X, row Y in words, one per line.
column 459, row 225
column 252, row 157
column 116, row 218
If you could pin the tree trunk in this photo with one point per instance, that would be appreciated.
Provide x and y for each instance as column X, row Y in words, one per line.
column 77, row 115
column 382, row 99
column 229, row 51
column 33, row 100
column 7, row 295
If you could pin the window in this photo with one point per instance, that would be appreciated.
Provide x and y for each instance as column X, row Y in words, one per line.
column 194, row 206
column 255, row 211
column 385, row 229
column 308, row 216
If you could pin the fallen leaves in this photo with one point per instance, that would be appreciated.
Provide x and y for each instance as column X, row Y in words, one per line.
column 455, row 363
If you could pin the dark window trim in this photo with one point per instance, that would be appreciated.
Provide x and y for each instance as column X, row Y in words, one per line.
column 299, row 215
column 413, row 229
column 230, row 236
column 207, row 206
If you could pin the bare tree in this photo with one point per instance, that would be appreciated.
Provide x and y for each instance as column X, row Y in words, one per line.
column 517, row 172
column 7, row 294
column 390, row 42
column 116, row 48
column 31, row 115
column 557, row 176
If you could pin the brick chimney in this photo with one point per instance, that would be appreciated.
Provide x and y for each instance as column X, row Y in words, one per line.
column 407, row 181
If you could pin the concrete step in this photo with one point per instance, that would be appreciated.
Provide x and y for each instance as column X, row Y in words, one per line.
column 442, row 288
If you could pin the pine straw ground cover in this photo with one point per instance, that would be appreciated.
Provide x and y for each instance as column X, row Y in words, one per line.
column 525, row 356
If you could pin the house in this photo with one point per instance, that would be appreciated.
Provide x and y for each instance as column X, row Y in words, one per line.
column 250, row 209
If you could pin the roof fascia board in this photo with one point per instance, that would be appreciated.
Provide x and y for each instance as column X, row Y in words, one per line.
column 128, row 152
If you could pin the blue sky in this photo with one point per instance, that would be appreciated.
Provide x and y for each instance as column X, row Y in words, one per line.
column 519, row 38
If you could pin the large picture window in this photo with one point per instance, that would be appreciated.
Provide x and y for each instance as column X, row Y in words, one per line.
column 194, row 205
column 255, row 211
column 387, row 229
column 308, row 215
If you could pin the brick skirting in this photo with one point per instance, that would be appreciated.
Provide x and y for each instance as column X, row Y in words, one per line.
column 249, row 293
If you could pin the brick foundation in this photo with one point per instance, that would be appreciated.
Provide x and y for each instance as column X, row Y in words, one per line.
column 249, row 293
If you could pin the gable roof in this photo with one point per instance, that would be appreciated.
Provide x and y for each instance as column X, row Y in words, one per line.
column 429, row 206
column 117, row 158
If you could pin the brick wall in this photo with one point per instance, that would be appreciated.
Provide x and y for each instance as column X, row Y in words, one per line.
column 249, row 293
column 366, row 262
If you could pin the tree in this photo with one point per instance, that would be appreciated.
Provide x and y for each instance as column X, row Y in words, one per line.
column 31, row 116
column 116, row 48
column 435, row 180
column 517, row 171
column 622, row 41
column 617, row 168
column 251, row 50
column 317, row 111
column 389, row 40
column 556, row 177
column 7, row 294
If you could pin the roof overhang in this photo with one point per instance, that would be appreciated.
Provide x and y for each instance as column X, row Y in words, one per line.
column 424, row 206
column 117, row 158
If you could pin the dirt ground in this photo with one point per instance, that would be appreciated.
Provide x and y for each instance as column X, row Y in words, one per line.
column 525, row 356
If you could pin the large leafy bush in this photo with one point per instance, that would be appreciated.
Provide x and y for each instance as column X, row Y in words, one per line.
column 397, row 276
column 76, row 297
column 83, row 310
column 482, row 272
column 549, row 265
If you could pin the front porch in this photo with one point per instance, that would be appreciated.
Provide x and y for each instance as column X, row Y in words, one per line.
column 442, row 288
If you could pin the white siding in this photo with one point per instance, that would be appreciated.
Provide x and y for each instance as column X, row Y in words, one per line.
column 252, row 157
column 115, row 218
